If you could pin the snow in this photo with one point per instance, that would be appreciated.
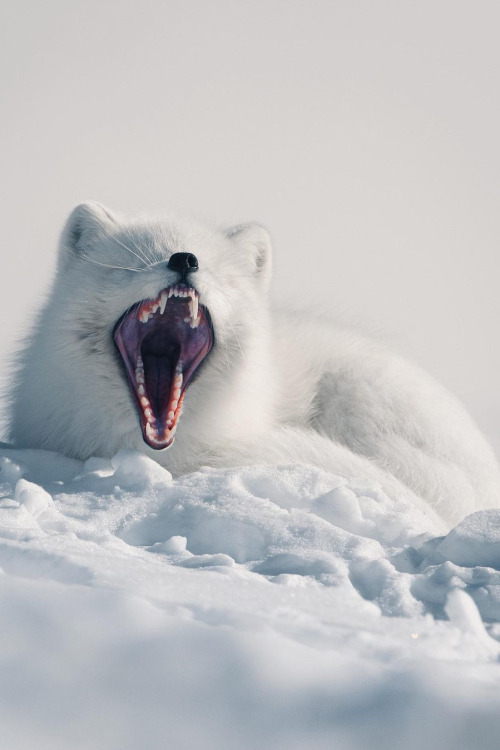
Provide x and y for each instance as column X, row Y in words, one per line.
column 263, row 607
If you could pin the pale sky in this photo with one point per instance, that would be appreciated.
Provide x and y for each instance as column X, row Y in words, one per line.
column 364, row 135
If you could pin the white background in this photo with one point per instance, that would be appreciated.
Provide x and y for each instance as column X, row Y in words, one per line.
column 364, row 135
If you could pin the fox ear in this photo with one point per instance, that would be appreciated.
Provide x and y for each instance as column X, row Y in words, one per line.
column 85, row 224
column 256, row 241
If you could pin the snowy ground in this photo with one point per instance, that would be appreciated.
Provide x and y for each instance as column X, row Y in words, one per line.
column 255, row 608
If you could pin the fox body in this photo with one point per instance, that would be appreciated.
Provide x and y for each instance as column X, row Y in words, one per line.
column 159, row 335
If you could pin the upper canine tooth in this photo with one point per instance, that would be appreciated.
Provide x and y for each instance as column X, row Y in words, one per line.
column 194, row 311
column 163, row 302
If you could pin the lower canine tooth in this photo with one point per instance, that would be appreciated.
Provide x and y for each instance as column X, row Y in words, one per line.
column 149, row 430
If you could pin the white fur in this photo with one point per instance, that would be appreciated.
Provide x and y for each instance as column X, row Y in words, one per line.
column 277, row 387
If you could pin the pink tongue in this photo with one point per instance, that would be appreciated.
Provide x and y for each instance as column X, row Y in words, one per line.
column 159, row 375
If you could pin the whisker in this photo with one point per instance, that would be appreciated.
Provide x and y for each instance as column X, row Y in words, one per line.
column 144, row 251
column 98, row 263
column 128, row 249
column 237, row 339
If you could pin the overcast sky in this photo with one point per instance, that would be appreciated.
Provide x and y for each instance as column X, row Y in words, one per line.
column 365, row 135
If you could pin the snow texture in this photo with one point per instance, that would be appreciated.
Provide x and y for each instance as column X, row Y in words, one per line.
column 264, row 607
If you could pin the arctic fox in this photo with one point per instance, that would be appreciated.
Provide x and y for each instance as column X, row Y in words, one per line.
column 159, row 336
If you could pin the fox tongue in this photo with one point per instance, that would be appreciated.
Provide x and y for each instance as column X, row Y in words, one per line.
column 159, row 384
column 163, row 375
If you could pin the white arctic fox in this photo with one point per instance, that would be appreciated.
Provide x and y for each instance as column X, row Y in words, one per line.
column 158, row 336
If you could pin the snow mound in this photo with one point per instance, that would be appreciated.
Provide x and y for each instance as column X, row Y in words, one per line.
column 258, row 607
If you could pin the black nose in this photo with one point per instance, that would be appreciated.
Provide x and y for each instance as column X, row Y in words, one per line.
column 183, row 263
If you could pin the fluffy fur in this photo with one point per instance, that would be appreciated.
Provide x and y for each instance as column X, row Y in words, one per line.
column 277, row 387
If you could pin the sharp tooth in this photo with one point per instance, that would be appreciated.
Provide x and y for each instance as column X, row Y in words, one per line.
column 194, row 310
column 149, row 430
column 141, row 390
column 163, row 302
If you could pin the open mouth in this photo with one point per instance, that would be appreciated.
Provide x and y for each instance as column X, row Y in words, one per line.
column 163, row 343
